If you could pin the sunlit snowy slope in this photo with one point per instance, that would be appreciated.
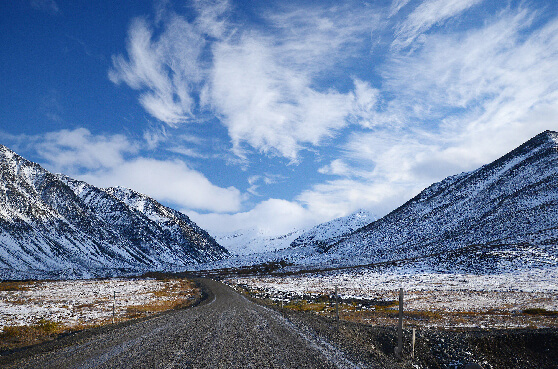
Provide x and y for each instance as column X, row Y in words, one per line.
column 253, row 240
column 54, row 226
column 257, row 241
column 326, row 234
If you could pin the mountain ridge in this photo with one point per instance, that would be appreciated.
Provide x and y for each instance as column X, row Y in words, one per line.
column 54, row 226
column 497, row 203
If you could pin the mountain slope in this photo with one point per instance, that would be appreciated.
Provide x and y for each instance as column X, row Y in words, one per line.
column 503, row 214
column 251, row 241
column 54, row 226
column 326, row 234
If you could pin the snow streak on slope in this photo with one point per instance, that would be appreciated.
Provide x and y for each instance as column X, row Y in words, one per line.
column 54, row 226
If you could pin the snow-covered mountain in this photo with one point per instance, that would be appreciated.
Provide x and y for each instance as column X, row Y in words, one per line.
column 502, row 215
column 326, row 234
column 57, row 227
column 258, row 241
column 253, row 240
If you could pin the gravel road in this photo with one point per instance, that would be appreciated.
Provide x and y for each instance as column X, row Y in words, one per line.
column 226, row 331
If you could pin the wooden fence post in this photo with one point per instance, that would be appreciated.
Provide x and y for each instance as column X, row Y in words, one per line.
column 113, row 307
column 399, row 348
column 413, row 343
column 336, row 304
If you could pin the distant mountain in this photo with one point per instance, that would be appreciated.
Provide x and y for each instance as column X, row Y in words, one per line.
column 52, row 226
column 502, row 215
column 258, row 241
column 250, row 241
column 326, row 234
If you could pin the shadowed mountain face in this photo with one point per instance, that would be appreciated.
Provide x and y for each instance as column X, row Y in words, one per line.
column 56, row 227
column 502, row 215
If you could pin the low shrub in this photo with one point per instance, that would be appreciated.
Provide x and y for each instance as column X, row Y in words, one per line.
column 540, row 311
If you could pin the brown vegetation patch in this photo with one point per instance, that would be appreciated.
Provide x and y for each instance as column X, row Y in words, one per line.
column 174, row 294
column 25, row 335
column 15, row 286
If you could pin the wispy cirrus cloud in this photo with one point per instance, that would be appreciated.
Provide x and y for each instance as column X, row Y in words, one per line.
column 260, row 82
column 461, row 100
column 443, row 99
column 396, row 6
column 426, row 15
column 166, row 70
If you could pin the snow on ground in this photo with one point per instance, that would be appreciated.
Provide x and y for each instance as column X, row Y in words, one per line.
column 80, row 302
column 444, row 292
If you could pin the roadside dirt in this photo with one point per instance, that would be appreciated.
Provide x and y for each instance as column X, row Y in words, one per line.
column 435, row 348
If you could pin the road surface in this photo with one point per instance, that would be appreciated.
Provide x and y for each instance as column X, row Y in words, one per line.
column 227, row 331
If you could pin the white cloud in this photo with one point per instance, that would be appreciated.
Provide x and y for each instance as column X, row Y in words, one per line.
column 480, row 85
column 212, row 17
column 465, row 99
column 340, row 197
column 337, row 167
column 272, row 217
column 69, row 150
column 114, row 160
column 169, row 181
column 272, row 104
column 426, row 15
column 259, row 81
column 457, row 100
column 268, row 105
column 166, row 69
column 396, row 6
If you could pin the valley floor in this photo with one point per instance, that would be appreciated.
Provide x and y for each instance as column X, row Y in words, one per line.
column 441, row 300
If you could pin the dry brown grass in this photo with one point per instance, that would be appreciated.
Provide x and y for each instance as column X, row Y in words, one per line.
column 15, row 286
column 386, row 314
column 177, row 293
column 25, row 335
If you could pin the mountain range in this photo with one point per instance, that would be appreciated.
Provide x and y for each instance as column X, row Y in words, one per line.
column 53, row 226
column 258, row 241
column 502, row 216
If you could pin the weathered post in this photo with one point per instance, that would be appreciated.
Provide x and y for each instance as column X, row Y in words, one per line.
column 413, row 343
column 113, row 307
column 399, row 348
column 336, row 304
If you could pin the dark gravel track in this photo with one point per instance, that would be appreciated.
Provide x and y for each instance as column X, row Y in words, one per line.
column 225, row 331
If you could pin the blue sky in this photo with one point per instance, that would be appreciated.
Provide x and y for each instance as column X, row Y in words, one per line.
column 275, row 115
